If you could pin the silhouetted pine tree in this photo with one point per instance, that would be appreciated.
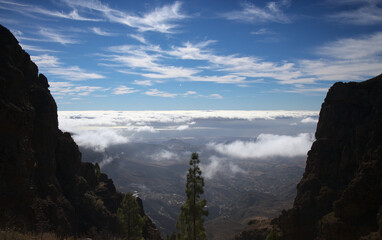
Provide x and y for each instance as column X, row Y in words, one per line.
column 130, row 219
column 190, row 223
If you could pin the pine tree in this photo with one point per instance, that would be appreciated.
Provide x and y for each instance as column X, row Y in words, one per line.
column 97, row 170
column 190, row 223
column 129, row 218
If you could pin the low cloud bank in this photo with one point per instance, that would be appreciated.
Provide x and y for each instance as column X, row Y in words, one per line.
column 101, row 129
column 164, row 155
column 266, row 145
column 99, row 139
column 218, row 164
column 126, row 118
column 309, row 120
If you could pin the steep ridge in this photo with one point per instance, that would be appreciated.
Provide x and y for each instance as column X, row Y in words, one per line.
column 44, row 186
column 340, row 194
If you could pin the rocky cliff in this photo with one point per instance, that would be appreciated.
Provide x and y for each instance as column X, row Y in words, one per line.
column 340, row 194
column 44, row 186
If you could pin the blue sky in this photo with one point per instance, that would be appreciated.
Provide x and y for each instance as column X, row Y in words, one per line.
column 197, row 55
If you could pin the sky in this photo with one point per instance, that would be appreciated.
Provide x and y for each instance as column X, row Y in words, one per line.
column 197, row 55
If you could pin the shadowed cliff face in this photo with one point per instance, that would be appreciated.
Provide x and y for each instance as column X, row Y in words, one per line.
column 340, row 194
column 44, row 186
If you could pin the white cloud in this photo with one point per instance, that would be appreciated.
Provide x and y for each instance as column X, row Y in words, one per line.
column 215, row 96
column 267, row 145
column 182, row 127
column 145, row 82
column 364, row 47
column 101, row 32
column 51, row 65
column 310, row 90
column 222, row 165
column 138, row 37
column 263, row 31
column 73, row 73
column 341, row 70
column 53, row 36
column 211, row 169
column 35, row 48
column 99, row 129
column 142, row 129
column 67, row 88
column 45, row 60
column 236, row 69
column 344, row 60
column 309, row 120
column 106, row 160
column 86, row 119
column 124, row 90
column 157, row 93
column 100, row 138
column 160, row 19
column 368, row 12
column 25, row 8
column 164, row 155
column 348, row 59
column 235, row 168
column 272, row 12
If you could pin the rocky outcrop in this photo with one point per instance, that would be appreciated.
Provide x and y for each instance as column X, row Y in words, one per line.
column 44, row 186
column 340, row 194
column 257, row 229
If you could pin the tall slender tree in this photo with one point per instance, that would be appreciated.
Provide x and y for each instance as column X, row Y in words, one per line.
column 129, row 218
column 190, row 223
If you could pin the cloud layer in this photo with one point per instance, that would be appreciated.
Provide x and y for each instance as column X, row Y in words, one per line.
column 100, row 129
column 267, row 145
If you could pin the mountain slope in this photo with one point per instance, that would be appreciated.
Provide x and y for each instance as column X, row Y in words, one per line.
column 44, row 186
column 340, row 194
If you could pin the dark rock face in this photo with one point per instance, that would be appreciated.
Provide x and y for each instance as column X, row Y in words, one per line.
column 44, row 186
column 257, row 229
column 340, row 194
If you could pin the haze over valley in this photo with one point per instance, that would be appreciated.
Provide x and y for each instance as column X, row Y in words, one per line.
column 251, row 160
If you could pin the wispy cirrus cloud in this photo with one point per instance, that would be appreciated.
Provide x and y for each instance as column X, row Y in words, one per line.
column 161, row 19
column 35, row 48
column 366, row 46
column 146, row 83
column 70, row 89
column 347, row 59
column 32, row 9
column 157, row 93
column 121, row 90
column 101, row 32
column 48, row 35
column 49, row 64
column 138, row 37
column 362, row 12
column 51, row 35
column 272, row 12
column 223, row 69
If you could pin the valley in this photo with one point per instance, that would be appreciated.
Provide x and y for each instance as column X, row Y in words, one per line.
column 237, row 190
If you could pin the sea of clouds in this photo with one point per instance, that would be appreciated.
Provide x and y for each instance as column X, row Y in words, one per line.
column 232, row 134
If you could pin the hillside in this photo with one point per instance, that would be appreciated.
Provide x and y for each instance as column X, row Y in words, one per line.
column 44, row 185
column 340, row 194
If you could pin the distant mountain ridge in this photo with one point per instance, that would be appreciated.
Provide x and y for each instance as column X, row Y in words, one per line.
column 44, row 186
column 340, row 194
